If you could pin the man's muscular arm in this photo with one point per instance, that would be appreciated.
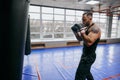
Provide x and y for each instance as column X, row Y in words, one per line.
column 93, row 35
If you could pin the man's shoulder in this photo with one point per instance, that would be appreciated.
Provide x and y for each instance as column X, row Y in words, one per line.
column 96, row 25
column 95, row 28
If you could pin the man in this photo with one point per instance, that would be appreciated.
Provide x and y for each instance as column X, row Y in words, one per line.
column 90, row 36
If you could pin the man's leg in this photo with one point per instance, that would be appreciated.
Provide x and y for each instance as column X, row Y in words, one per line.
column 80, row 75
column 81, row 71
column 89, row 76
column 90, row 61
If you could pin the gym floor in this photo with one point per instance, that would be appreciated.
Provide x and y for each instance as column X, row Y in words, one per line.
column 61, row 63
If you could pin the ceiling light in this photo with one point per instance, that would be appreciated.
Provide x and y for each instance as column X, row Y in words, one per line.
column 92, row 2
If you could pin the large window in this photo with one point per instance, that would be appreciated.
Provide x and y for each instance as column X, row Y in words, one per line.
column 49, row 23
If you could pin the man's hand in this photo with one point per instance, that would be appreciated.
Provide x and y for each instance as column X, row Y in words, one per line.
column 83, row 30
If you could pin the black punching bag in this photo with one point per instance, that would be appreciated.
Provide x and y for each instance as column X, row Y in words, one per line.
column 13, row 28
column 28, row 39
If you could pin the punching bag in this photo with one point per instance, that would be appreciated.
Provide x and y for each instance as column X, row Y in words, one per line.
column 28, row 39
column 13, row 28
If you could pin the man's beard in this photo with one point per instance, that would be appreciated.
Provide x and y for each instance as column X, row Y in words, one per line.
column 87, row 24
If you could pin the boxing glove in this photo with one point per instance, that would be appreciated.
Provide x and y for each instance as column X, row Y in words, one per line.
column 77, row 27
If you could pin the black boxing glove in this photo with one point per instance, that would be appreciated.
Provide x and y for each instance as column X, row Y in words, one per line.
column 77, row 27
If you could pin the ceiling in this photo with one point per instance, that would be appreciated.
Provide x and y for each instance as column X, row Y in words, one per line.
column 76, row 4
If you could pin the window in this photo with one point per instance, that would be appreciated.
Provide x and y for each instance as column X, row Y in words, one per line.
column 59, row 26
column 58, row 11
column 47, row 26
column 35, row 9
column 47, row 23
column 47, row 10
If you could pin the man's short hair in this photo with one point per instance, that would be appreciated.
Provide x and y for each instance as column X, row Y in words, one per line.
column 88, row 14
